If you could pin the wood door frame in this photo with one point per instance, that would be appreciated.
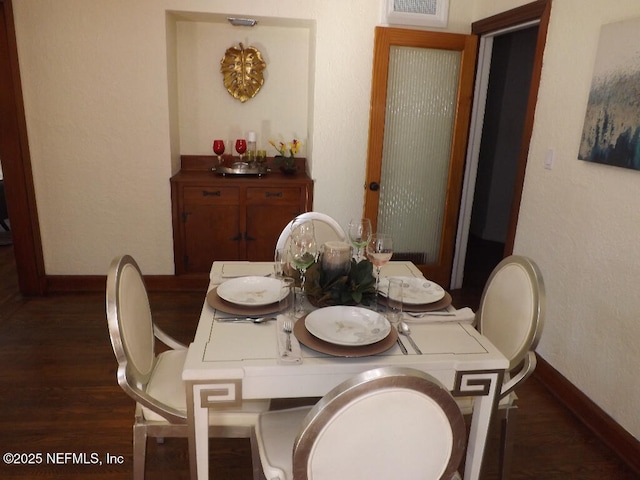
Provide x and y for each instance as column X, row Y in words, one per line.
column 538, row 10
column 385, row 38
column 16, row 165
column 533, row 14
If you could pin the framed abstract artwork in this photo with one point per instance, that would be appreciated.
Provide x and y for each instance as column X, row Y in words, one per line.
column 611, row 132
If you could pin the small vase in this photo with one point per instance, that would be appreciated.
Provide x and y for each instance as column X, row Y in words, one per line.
column 288, row 166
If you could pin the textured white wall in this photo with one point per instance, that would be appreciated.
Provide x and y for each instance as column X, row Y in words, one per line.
column 94, row 81
column 106, row 124
column 580, row 222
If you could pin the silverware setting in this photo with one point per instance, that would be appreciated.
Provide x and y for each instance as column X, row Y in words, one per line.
column 288, row 328
column 404, row 329
column 245, row 319
column 424, row 314
column 400, row 344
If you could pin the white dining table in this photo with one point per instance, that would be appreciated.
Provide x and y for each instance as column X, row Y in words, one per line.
column 230, row 362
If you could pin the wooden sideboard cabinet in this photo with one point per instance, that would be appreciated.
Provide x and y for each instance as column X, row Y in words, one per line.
column 233, row 217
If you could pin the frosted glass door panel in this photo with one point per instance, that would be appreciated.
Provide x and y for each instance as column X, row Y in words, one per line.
column 420, row 113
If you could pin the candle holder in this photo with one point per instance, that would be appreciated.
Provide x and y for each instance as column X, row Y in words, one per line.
column 336, row 258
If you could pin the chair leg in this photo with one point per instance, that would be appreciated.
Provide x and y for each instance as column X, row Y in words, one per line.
column 139, row 451
column 258, row 473
column 507, row 426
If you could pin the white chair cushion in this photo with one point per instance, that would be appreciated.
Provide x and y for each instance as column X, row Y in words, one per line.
column 246, row 416
column 466, row 403
column 166, row 385
column 276, row 432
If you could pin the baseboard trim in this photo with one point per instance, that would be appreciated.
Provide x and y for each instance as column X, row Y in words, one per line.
column 97, row 283
column 596, row 419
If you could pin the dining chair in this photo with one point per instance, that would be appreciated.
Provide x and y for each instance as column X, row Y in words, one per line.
column 389, row 422
column 153, row 380
column 326, row 229
column 511, row 314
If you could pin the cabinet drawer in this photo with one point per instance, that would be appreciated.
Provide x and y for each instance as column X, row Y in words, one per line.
column 211, row 195
column 273, row 196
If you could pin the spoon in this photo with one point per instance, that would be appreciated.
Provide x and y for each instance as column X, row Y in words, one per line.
column 404, row 329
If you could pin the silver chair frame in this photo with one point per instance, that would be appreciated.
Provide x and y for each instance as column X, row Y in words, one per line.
column 523, row 362
column 361, row 386
column 133, row 381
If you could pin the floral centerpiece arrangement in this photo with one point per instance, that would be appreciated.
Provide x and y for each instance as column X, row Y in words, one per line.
column 286, row 154
column 356, row 287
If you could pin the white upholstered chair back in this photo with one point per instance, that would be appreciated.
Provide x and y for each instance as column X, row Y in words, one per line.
column 389, row 422
column 133, row 316
column 511, row 312
column 326, row 229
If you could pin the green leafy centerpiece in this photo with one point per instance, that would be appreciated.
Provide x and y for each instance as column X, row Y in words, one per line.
column 325, row 287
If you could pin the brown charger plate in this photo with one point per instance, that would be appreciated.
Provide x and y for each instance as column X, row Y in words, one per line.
column 444, row 302
column 214, row 300
column 314, row 343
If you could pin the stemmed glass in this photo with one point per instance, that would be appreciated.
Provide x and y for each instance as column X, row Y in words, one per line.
column 303, row 251
column 360, row 235
column 379, row 252
column 218, row 149
column 241, row 147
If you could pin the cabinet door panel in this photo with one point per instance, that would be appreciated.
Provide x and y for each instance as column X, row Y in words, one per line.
column 211, row 233
column 217, row 218
column 264, row 225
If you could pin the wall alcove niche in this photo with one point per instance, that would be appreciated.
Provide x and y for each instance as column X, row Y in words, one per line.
column 202, row 110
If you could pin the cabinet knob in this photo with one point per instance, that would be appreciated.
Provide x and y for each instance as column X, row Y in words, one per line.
column 374, row 186
column 273, row 194
column 237, row 238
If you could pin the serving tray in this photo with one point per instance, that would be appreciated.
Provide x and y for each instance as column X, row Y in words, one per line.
column 241, row 168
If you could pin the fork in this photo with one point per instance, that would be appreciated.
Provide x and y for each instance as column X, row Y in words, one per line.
column 288, row 328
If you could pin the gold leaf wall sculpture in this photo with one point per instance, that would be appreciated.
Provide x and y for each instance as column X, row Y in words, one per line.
column 242, row 70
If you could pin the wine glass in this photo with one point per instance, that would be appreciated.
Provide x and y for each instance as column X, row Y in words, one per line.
column 218, row 149
column 241, row 146
column 379, row 251
column 303, row 251
column 360, row 235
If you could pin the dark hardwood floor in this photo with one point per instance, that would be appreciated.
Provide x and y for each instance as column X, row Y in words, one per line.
column 59, row 396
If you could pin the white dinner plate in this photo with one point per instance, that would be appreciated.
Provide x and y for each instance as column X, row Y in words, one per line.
column 251, row 291
column 352, row 326
column 415, row 291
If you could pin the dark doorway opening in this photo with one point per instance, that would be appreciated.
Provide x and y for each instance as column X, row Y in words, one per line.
column 510, row 75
